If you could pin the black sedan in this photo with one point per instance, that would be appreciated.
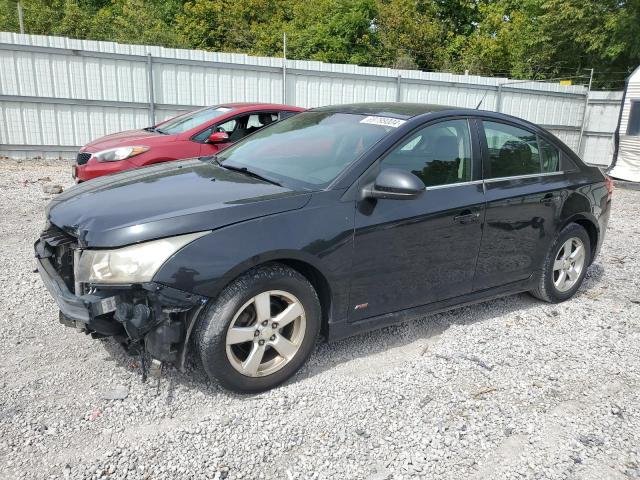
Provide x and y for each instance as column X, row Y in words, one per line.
column 336, row 221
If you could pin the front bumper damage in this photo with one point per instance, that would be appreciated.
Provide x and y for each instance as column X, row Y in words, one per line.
column 147, row 317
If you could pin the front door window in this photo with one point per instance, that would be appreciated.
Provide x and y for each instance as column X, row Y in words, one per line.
column 439, row 154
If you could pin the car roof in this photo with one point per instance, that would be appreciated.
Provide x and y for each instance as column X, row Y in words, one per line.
column 387, row 109
column 259, row 106
column 406, row 111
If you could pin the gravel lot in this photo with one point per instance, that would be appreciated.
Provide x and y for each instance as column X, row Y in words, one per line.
column 511, row 388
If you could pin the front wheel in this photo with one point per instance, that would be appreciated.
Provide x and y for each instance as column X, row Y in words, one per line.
column 260, row 330
column 565, row 265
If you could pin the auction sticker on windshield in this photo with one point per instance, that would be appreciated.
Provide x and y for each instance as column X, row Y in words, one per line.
column 383, row 121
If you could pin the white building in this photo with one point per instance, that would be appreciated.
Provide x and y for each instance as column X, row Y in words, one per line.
column 626, row 159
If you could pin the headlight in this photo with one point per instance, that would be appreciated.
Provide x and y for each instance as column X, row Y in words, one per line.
column 132, row 264
column 120, row 153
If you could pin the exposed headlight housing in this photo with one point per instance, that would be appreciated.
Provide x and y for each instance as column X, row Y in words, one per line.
column 132, row 264
column 120, row 153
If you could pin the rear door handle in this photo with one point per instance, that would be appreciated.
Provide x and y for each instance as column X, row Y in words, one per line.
column 548, row 199
column 467, row 216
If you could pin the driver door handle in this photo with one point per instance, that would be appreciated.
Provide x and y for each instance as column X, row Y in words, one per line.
column 467, row 216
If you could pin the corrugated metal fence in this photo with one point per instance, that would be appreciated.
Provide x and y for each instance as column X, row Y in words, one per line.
column 57, row 93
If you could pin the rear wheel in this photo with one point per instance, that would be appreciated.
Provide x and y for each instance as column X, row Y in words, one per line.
column 260, row 330
column 565, row 265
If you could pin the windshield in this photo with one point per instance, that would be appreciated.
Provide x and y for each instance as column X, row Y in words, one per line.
column 190, row 120
column 309, row 149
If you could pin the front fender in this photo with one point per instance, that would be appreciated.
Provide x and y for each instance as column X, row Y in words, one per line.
column 320, row 234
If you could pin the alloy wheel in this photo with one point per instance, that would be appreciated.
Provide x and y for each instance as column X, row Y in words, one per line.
column 265, row 333
column 568, row 265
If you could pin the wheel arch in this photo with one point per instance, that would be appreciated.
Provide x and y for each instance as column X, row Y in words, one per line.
column 293, row 260
column 305, row 264
column 578, row 209
column 319, row 282
column 590, row 225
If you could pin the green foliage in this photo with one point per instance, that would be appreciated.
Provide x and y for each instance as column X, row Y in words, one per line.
column 249, row 26
column 133, row 21
column 334, row 31
column 125, row 21
column 555, row 38
column 517, row 38
column 421, row 40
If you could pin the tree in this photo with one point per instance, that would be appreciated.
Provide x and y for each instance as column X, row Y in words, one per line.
column 126, row 21
column 202, row 25
column 327, row 30
column 502, row 42
column 517, row 38
column 411, row 30
column 75, row 20
column 460, row 16
column 340, row 31
column 9, row 16
column 134, row 21
column 40, row 16
column 555, row 38
column 599, row 34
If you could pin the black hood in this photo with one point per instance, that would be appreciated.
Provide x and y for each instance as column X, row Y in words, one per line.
column 164, row 200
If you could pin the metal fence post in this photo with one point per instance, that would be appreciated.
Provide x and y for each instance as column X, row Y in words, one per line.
column 399, row 88
column 499, row 99
column 21, row 17
column 152, row 106
column 585, row 114
column 284, row 67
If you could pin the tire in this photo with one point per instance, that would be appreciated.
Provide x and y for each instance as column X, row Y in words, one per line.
column 240, row 311
column 549, row 286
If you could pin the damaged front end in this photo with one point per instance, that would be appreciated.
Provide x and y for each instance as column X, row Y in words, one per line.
column 143, row 317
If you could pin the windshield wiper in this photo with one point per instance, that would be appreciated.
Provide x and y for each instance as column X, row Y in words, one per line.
column 155, row 129
column 246, row 171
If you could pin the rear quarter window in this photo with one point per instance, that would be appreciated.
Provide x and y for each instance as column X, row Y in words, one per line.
column 550, row 157
column 553, row 159
column 566, row 164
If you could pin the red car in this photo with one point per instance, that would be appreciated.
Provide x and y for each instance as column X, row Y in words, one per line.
column 194, row 134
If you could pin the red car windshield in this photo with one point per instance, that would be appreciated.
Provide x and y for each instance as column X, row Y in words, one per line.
column 309, row 149
column 190, row 120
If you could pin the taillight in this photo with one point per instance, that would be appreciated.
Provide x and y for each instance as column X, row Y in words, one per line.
column 608, row 182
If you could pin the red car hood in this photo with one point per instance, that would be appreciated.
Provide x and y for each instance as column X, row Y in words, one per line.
column 128, row 138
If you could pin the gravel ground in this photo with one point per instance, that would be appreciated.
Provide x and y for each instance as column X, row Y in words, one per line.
column 512, row 388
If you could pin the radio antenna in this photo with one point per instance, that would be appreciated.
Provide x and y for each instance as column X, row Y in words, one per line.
column 482, row 99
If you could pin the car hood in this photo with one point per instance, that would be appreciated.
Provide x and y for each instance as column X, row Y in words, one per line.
column 128, row 138
column 164, row 200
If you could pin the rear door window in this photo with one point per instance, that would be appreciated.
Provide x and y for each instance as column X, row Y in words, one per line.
column 512, row 151
column 258, row 120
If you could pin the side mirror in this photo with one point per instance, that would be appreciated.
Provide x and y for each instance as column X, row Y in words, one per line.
column 218, row 137
column 395, row 184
